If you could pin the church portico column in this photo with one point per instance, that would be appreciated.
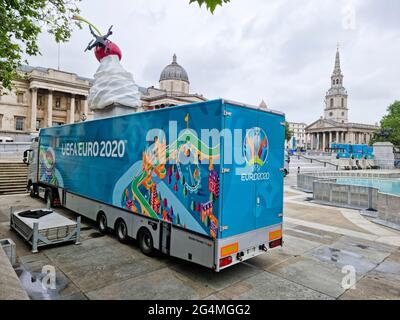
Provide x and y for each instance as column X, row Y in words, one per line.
column 311, row 141
column 323, row 141
column 32, row 126
column 337, row 137
column 319, row 141
column 72, row 110
column 49, row 113
column 330, row 139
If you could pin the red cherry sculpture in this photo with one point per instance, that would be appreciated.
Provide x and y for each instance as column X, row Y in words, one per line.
column 102, row 46
column 110, row 49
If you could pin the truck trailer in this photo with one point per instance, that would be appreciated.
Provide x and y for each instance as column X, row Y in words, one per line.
column 201, row 182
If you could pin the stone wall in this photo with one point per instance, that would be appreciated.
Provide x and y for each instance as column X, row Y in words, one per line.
column 10, row 286
column 389, row 208
column 305, row 180
column 327, row 191
column 384, row 155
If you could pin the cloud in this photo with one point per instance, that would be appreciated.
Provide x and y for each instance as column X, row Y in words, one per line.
column 278, row 50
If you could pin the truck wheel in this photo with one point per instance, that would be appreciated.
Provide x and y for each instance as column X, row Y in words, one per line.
column 146, row 242
column 122, row 231
column 33, row 191
column 286, row 173
column 102, row 223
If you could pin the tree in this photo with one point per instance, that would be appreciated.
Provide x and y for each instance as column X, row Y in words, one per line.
column 20, row 24
column 288, row 132
column 390, row 126
column 210, row 4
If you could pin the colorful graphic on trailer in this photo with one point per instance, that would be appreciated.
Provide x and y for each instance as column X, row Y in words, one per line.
column 255, row 147
column 47, row 167
column 170, row 177
column 184, row 192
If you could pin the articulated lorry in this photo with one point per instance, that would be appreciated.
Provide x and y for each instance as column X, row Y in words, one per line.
column 201, row 182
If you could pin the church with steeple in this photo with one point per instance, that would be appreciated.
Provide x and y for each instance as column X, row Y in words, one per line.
column 334, row 125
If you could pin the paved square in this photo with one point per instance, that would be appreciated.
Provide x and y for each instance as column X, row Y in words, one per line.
column 319, row 242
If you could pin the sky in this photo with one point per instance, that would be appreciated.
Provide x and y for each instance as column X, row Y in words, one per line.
column 281, row 51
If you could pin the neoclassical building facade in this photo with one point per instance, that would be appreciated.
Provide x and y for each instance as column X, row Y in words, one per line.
column 46, row 97
column 334, row 126
column 42, row 98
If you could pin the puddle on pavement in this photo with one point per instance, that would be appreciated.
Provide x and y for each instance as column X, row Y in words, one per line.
column 343, row 258
column 32, row 283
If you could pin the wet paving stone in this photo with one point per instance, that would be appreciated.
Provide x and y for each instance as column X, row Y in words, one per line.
column 320, row 276
column 342, row 258
column 267, row 286
column 163, row 284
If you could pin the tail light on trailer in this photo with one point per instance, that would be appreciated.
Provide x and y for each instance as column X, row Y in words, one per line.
column 225, row 261
column 275, row 243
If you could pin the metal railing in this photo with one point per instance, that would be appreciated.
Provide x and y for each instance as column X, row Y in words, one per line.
column 313, row 160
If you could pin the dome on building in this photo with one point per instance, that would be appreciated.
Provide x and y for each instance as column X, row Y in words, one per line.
column 174, row 72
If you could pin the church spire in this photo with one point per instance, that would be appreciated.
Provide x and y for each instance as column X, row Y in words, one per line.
column 336, row 97
column 337, row 71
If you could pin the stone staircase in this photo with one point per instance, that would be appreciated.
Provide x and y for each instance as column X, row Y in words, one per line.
column 13, row 177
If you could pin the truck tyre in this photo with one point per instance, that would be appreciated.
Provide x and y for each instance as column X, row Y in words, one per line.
column 33, row 191
column 285, row 173
column 146, row 242
column 102, row 223
column 122, row 231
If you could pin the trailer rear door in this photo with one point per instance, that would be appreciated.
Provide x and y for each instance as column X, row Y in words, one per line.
column 252, row 183
column 269, row 189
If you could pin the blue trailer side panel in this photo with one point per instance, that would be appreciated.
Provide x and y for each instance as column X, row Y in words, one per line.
column 253, row 187
column 119, row 161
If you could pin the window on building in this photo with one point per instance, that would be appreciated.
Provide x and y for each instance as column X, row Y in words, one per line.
column 337, row 81
column 58, row 102
column 331, row 102
column 38, row 125
column 342, row 102
column 19, row 123
column 331, row 114
column 342, row 114
column 20, row 97
column 55, row 124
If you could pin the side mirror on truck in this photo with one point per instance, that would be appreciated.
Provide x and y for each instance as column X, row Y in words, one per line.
column 26, row 157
